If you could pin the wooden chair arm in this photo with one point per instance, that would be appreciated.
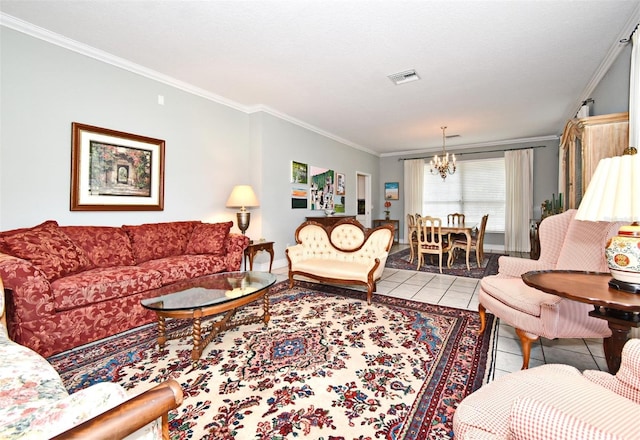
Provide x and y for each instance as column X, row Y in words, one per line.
column 131, row 415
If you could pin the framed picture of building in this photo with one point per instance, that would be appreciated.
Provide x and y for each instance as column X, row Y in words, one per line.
column 115, row 171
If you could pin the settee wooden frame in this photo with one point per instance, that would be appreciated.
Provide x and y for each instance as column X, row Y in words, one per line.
column 370, row 284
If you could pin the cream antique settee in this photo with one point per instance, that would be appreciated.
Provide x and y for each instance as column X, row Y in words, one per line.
column 34, row 403
column 71, row 285
column 345, row 253
column 556, row 402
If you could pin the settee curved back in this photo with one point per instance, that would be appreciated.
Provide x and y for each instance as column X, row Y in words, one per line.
column 347, row 235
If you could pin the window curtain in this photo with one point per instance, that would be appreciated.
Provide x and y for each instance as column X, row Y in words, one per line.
column 634, row 93
column 413, row 187
column 519, row 199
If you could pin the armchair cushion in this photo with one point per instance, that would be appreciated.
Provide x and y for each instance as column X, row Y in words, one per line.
column 578, row 251
column 526, row 415
column 626, row 382
column 567, row 396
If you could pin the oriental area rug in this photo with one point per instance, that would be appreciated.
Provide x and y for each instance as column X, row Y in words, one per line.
column 400, row 260
column 328, row 366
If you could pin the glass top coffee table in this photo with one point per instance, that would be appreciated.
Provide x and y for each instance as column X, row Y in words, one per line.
column 207, row 296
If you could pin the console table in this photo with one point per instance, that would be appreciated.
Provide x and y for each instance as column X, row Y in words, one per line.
column 394, row 223
column 620, row 309
column 329, row 220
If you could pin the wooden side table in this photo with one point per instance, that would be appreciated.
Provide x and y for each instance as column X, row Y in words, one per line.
column 620, row 309
column 394, row 223
column 256, row 247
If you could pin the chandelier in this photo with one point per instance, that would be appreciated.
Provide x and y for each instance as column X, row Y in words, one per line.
column 441, row 165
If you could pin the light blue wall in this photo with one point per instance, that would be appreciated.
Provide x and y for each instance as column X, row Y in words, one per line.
column 210, row 147
column 612, row 93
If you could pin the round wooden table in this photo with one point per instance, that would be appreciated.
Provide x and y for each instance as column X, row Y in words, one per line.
column 620, row 309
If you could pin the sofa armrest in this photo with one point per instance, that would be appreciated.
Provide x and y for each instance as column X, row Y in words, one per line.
column 294, row 253
column 31, row 296
column 514, row 267
column 234, row 251
column 131, row 415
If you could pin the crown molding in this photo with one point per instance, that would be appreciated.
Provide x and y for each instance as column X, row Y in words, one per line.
column 608, row 60
column 97, row 54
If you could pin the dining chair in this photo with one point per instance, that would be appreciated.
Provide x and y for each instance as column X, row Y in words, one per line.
column 431, row 241
column 412, row 229
column 477, row 243
column 455, row 219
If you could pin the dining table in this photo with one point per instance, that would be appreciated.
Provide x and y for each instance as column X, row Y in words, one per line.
column 465, row 228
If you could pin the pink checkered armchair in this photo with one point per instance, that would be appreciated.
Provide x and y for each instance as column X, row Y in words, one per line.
column 556, row 402
column 565, row 244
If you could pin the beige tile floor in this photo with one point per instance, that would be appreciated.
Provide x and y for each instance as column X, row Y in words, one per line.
column 460, row 292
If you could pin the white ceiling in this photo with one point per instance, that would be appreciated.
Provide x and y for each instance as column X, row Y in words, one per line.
column 492, row 71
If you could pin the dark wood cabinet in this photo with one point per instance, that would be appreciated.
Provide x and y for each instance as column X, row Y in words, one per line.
column 329, row 220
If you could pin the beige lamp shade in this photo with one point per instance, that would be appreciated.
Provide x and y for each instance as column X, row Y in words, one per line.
column 614, row 191
column 242, row 196
column 614, row 195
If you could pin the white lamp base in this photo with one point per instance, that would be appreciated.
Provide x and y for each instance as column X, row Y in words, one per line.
column 623, row 257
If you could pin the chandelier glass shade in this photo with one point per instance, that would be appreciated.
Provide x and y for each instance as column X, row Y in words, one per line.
column 442, row 165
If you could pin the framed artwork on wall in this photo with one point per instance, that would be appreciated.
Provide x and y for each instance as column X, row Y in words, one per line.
column 299, row 172
column 322, row 188
column 392, row 191
column 340, row 184
column 115, row 171
column 299, row 197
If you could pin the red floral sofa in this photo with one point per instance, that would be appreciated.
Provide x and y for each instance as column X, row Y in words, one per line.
column 71, row 285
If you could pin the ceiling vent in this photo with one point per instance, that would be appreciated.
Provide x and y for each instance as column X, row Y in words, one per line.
column 404, row 77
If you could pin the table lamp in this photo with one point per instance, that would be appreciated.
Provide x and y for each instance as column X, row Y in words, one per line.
column 614, row 195
column 243, row 197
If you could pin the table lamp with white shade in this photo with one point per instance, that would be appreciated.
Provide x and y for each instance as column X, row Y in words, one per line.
column 614, row 195
column 243, row 197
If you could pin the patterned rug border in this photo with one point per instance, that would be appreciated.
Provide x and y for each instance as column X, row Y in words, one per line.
column 400, row 260
column 129, row 343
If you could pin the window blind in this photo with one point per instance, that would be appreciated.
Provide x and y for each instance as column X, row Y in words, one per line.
column 477, row 188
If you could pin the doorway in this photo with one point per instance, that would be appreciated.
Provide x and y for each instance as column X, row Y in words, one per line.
column 364, row 198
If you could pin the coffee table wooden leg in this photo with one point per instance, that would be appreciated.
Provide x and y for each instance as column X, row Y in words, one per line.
column 162, row 332
column 265, row 307
column 197, row 339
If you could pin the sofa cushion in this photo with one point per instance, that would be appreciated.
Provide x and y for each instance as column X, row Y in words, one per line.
column 102, row 284
column 104, row 245
column 48, row 248
column 3, row 246
column 182, row 267
column 152, row 241
column 209, row 238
